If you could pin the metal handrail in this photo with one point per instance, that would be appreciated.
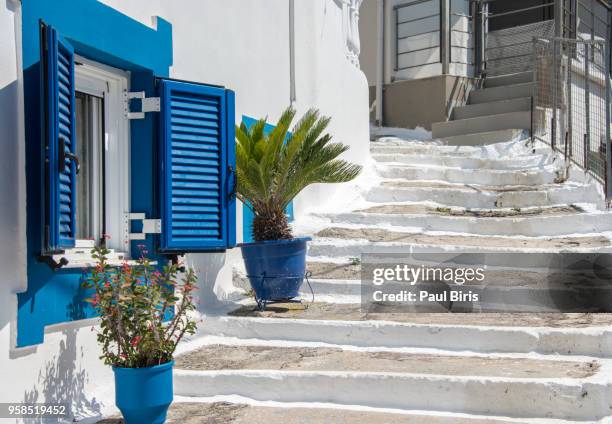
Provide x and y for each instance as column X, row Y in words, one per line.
column 517, row 11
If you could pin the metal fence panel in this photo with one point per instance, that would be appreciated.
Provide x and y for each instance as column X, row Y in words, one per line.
column 570, row 102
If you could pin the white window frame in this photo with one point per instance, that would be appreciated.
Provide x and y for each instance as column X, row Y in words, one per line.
column 112, row 85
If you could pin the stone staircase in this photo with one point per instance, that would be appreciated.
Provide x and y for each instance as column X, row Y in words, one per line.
column 503, row 103
column 330, row 361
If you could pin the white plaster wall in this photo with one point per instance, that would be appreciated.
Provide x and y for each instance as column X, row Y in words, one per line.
column 212, row 44
column 66, row 367
column 245, row 47
column 240, row 44
column 368, row 32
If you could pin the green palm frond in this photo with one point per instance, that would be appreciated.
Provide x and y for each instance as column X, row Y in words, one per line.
column 272, row 169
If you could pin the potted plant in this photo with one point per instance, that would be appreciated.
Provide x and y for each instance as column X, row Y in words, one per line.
column 144, row 314
column 271, row 170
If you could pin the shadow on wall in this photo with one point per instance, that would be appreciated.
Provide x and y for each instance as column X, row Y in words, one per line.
column 9, row 213
column 60, row 382
column 210, row 267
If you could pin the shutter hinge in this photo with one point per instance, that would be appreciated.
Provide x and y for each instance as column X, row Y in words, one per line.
column 149, row 226
column 148, row 104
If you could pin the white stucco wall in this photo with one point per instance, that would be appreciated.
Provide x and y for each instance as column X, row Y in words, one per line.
column 66, row 367
column 368, row 33
column 214, row 42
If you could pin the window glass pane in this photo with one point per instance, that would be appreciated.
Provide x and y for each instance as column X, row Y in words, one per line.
column 90, row 180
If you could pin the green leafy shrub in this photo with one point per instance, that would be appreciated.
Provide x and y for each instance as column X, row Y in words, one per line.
column 144, row 313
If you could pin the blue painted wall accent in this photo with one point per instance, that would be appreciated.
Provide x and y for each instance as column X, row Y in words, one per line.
column 247, row 213
column 104, row 35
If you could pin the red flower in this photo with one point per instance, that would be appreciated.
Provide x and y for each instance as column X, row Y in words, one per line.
column 95, row 300
column 135, row 341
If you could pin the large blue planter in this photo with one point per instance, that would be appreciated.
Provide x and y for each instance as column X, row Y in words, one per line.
column 276, row 268
column 143, row 395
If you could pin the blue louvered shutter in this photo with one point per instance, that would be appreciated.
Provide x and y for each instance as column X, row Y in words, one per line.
column 197, row 152
column 58, row 80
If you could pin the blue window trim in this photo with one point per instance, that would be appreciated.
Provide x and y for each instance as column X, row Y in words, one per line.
column 54, row 297
column 247, row 213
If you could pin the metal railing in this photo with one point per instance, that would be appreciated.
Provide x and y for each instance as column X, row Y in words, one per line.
column 571, row 102
column 507, row 50
column 432, row 33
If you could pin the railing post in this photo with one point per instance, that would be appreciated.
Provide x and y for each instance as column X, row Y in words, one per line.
column 445, row 35
column 587, row 104
column 570, row 112
column 608, row 117
column 484, row 30
column 475, row 35
column 555, row 82
column 558, row 15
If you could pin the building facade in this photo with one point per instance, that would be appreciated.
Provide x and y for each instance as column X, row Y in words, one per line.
column 119, row 79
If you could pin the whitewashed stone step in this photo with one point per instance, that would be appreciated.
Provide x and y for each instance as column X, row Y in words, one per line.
column 224, row 409
column 534, row 256
column 529, row 226
column 341, row 324
column 216, row 356
column 484, row 197
column 506, row 148
column 546, row 398
column 544, row 175
column 515, row 163
column 490, row 385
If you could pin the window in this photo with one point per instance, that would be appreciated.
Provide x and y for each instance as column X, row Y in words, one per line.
column 87, row 157
column 102, row 148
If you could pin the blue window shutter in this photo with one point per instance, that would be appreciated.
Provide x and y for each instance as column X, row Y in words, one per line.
column 197, row 160
column 58, row 80
column 231, row 166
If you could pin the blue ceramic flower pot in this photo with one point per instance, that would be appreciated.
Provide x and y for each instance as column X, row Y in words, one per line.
column 143, row 395
column 276, row 268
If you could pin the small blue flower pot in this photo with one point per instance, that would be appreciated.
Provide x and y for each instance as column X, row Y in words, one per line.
column 143, row 395
column 276, row 268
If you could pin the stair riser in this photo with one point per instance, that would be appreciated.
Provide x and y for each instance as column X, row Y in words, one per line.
column 319, row 286
column 521, row 120
column 481, row 152
column 485, row 200
column 465, row 176
column 535, row 257
column 494, row 396
column 522, row 163
column 503, row 299
column 486, row 139
column 537, row 226
column 594, row 342
column 493, row 108
column 501, row 93
column 512, row 79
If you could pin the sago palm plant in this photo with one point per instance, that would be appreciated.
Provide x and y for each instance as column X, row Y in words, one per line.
column 272, row 169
